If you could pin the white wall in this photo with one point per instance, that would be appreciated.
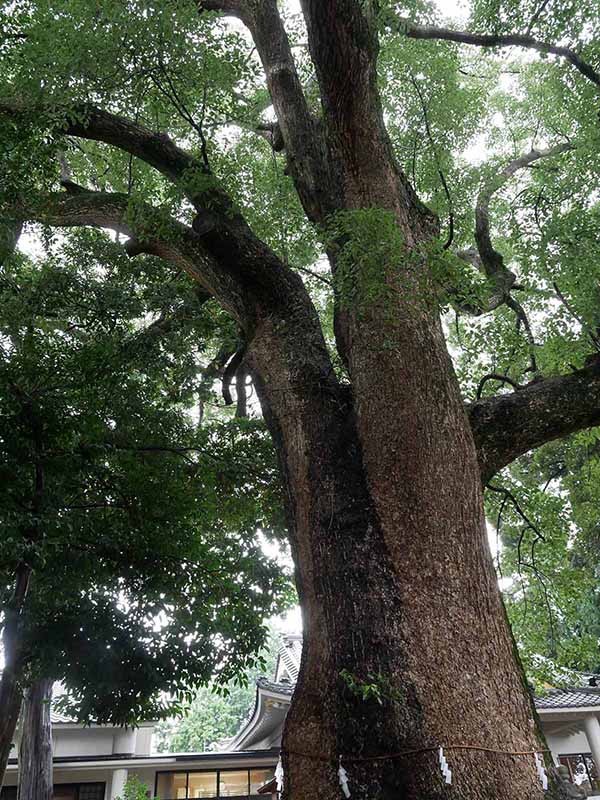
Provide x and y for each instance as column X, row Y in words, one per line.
column 144, row 741
column 566, row 745
column 100, row 741
column 80, row 741
column 83, row 741
column 97, row 775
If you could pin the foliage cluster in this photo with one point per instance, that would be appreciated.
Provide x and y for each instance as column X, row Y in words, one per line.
column 217, row 711
column 140, row 525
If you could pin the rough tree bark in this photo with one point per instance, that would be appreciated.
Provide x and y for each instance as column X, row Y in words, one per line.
column 35, row 744
column 407, row 646
column 11, row 691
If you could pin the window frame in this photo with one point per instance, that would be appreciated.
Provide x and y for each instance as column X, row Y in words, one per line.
column 586, row 758
column 218, row 771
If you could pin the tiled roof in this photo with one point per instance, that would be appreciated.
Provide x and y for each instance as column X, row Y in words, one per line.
column 576, row 697
column 290, row 653
column 279, row 688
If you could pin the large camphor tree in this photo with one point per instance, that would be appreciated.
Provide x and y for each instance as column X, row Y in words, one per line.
column 337, row 181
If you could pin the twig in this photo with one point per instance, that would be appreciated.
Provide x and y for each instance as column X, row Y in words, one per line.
column 507, row 493
column 496, row 376
column 437, row 163
column 522, row 319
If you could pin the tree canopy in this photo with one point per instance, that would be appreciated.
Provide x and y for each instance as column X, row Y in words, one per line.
column 362, row 188
column 139, row 526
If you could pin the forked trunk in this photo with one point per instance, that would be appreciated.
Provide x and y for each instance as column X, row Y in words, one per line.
column 406, row 641
column 407, row 646
column 35, row 746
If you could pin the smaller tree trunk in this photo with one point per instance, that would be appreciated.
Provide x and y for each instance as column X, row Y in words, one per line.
column 35, row 748
column 11, row 693
column 10, row 708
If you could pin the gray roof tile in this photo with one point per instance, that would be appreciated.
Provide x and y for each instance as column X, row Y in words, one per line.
column 280, row 688
column 573, row 697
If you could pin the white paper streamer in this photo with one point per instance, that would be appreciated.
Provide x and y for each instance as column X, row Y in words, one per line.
column 541, row 771
column 343, row 776
column 279, row 775
column 446, row 771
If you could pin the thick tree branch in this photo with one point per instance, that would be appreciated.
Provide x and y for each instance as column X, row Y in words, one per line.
column 509, row 425
column 241, row 390
column 495, row 376
column 344, row 46
column 211, row 372
column 414, row 31
column 177, row 243
column 499, row 276
column 237, row 267
column 230, row 372
column 233, row 8
column 301, row 132
column 492, row 261
column 157, row 150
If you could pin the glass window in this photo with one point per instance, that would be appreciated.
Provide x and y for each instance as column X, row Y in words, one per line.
column 8, row 793
column 202, row 784
column 172, row 785
column 258, row 778
column 233, row 784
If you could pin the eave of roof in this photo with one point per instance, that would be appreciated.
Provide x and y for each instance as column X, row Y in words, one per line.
column 282, row 688
column 239, row 757
column 265, row 689
column 63, row 723
column 56, row 718
column 290, row 653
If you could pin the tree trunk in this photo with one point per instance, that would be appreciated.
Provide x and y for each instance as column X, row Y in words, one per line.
column 397, row 588
column 35, row 747
column 11, row 698
column 11, row 692
column 406, row 642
